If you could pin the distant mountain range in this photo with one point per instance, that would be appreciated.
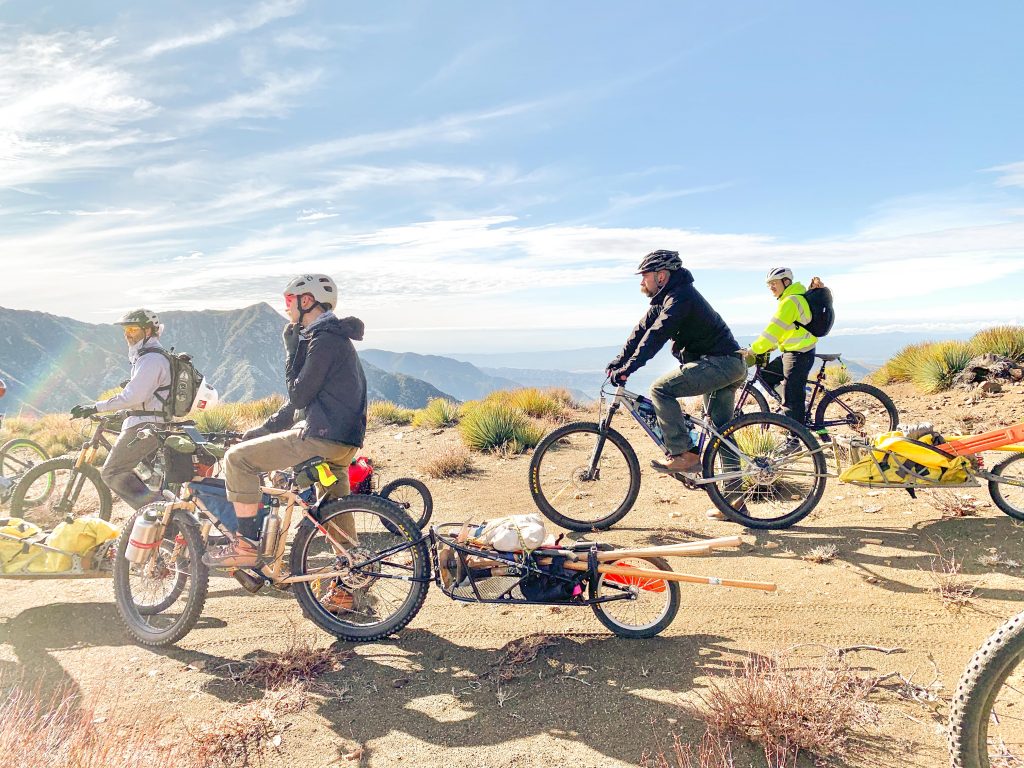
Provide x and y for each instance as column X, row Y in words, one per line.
column 50, row 362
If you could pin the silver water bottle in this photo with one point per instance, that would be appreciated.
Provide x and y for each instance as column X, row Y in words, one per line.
column 145, row 536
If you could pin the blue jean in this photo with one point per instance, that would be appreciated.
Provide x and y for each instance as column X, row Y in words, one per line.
column 715, row 377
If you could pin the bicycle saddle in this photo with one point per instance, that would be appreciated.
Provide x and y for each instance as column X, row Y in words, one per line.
column 828, row 358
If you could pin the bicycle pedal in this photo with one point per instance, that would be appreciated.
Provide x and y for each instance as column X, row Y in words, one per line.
column 249, row 581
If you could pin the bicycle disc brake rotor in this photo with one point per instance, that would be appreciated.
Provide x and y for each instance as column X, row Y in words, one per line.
column 359, row 578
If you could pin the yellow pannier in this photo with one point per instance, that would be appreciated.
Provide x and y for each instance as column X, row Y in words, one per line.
column 897, row 460
column 78, row 537
column 15, row 548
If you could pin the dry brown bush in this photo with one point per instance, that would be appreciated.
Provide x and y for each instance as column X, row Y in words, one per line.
column 948, row 583
column 790, row 710
column 59, row 730
column 452, row 461
column 301, row 662
column 242, row 736
column 519, row 654
column 712, row 752
column 952, row 504
column 824, row 553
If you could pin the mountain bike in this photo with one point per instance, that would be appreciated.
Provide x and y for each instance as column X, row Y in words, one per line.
column 762, row 470
column 851, row 410
column 410, row 494
column 986, row 727
column 71, row 486
column 17, row 457
column 360, row 569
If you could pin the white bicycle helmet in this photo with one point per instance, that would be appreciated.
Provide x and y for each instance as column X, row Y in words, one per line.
column 320, row 287
column 779, row 273
column 145, row 318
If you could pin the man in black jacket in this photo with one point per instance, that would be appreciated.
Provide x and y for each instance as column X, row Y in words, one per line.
column 711, row 364
column 325, row 381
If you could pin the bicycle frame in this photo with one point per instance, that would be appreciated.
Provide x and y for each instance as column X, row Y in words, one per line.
column 623, row 398
column 817, row 385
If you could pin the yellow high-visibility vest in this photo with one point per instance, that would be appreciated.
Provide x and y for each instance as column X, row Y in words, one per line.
column 782, row 332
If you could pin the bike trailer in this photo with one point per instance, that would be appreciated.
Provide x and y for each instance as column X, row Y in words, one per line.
column 896, row 459
column 25, row 550
column 16, row 537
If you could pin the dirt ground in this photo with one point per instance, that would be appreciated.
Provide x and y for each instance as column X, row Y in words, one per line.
column 429, row 696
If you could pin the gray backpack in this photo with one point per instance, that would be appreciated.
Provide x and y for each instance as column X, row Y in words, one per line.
column 179, row 397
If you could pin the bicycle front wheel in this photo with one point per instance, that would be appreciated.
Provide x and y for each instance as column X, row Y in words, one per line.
column 1008, row 496
column 54, row 490
column 776, row 478
column 161, row 600
column 375, row 566
column 856, row 410
column 411, row 495
column 584, row 479
column 986, row 729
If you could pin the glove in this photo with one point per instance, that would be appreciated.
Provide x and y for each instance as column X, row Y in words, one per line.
column 762, row 359
column 290, row 335
column 618, row 376
column 255, row 432
column 82, row 411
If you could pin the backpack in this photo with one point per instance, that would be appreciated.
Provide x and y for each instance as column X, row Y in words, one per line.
column 819, row 301
column 178, row 398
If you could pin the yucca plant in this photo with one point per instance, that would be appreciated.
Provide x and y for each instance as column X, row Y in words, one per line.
column 940, row 364
column 902, row 365
column 837, row 375
column 1005, row 340
column 536, row 403
column 220, row 418
column 439, row 412
column 388, row 413
column 493, row 426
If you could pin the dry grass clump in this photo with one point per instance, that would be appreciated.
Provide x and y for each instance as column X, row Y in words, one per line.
column 952, row 504
column 519, row 654
column 837, row 375
column 712, row 752
column 994, row 558
column 242, row 736
column 824, row 553
column 55, row 432
column 301, row 662
column 494, row 426
column 38, row 731
column 790, row 710
column 385, row 412
column 539, row 404
column 947, row 580
column 1004, row 340
column 439, row 412
column 452, row 461
column 902, row 365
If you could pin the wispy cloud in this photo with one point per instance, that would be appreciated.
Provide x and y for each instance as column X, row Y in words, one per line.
column 273, row 99
column 1010, row 175
column 259, row 16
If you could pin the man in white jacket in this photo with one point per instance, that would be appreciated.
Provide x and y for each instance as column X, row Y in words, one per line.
column 147, row 390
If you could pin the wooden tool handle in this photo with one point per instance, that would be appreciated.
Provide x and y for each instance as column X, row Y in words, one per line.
column 628, row 570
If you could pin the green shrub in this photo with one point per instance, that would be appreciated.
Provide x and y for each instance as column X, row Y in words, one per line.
column 939, row 365
column 1005, row 340
column 837, row 375
column 439, row 412
column 540, row 404
column 385, row 412
column 494, row 426
column 220, row 418
column 902, row 365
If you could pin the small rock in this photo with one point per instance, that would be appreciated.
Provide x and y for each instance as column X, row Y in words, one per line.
column 871, row 579
column 769, row 545
column 991, row 387
column 874, row 493
column 675, row 514
column 1017, row 374
column 872, row 510
column 400, row 682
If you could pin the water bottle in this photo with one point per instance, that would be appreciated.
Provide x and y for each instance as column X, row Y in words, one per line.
column 145, row 536
column 691, row 429
column 646, row 410
column 269, row 535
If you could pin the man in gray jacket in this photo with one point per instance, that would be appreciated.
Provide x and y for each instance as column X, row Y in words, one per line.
column 146, row 390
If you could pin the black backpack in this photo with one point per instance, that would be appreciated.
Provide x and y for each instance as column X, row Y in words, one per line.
column 180, row 396
column 819, row 301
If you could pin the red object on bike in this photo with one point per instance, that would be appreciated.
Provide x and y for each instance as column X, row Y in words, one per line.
column 642, row 582
column 986, row 441
column 359, row 470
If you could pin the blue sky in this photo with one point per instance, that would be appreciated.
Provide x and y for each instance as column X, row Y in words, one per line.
column 481, row 175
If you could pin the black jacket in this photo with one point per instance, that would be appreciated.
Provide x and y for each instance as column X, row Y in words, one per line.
column 678, row 312
column 326, row 380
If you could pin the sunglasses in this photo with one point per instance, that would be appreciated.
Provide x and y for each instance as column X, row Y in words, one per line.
column 289, row 300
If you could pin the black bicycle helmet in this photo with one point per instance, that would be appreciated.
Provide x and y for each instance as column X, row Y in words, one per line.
column 655, row 261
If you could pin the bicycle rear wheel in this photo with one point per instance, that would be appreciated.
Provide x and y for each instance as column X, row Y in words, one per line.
column 17, row 457
column 161, row 600
column 54, row 490
column 779, row 473
column 986, row 725
column 750, row 399
column 856, row 410
column 565, row 490
column 380, row 564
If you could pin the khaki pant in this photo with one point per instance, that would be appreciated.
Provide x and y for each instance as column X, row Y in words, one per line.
column 245, row 461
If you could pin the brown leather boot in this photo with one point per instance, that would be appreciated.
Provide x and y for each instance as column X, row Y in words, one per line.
column 687, row 463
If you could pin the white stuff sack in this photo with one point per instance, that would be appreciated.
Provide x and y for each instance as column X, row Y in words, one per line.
column 512, row 533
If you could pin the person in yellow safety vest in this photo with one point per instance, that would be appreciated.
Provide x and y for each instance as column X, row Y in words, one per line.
column 786, row 333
